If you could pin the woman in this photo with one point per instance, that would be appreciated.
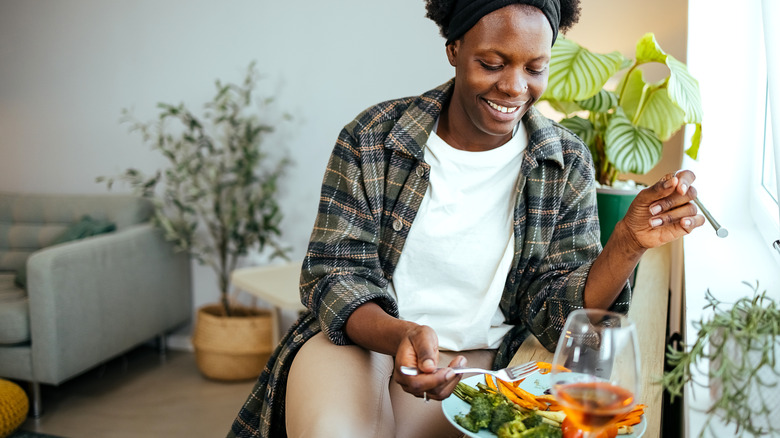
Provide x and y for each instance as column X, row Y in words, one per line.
column 451, row 226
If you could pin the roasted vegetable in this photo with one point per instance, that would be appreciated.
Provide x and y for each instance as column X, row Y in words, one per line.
column 479, row 415
column 516, row 429
column 504, row 413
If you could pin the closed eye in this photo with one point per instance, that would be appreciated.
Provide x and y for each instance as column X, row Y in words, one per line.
column 490, row 67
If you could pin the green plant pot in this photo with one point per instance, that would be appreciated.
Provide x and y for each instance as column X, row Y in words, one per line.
column 613, row 205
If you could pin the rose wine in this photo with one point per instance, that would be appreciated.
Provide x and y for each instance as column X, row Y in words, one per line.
column 593, row 406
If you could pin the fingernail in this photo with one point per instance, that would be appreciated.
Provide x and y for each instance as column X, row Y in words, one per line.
column 655, row 222
column 427, row 363
column 686, row 223
column 684, row 188
column 654, row 210
column 450, row 374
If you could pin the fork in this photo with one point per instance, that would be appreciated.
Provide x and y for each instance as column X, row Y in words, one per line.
column 508, row 374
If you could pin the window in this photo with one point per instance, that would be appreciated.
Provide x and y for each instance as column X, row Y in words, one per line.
column 768, row 168
column 765, row 207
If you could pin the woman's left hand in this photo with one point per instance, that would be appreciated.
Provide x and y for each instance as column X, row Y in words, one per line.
column 663, row 212
column 419, row 349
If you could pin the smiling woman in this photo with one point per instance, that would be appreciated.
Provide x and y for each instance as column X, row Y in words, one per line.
column 451, row 226
column 502, row 70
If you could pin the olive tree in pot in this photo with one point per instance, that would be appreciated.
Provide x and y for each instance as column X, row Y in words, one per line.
column 624, row 125
column 216, row 198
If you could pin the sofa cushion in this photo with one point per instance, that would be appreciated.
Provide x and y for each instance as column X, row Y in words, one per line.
column 29, row 222
column 14, row 313
column 86, row 227
column 8, row 290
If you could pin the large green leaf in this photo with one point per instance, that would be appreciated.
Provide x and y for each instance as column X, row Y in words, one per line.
column 577, row 73
column 582, row 127
column 602, row 102
column 648, row 50
column 660, row 114
column 632, row 87
column 631, row 148
column 564, row 107
column 693, row 150
column 684, row 90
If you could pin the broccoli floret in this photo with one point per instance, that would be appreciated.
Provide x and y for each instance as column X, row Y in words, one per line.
column 467, row 423
column 532, row 421
column 503, row 413
column 543, row 430
column 479, row 415
column 512, row 429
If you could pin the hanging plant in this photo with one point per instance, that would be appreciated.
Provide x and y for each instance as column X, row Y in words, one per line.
column 740, row 345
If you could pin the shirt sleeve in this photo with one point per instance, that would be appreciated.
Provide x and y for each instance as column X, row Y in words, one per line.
column 557, row 286
column 341, row 269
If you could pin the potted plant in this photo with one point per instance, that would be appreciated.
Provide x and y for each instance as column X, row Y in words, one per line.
column 738, row 347
column 216, row 198
column 624, row 125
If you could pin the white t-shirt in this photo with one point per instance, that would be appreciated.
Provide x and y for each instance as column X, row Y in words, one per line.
column 455, row 261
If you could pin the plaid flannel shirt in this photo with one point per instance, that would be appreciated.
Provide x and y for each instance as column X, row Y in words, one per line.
column 373, row 186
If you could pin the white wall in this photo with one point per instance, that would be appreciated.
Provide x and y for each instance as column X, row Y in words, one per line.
column 68, row 67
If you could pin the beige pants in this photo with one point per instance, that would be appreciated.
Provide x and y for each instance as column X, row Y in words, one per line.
column 347, row 391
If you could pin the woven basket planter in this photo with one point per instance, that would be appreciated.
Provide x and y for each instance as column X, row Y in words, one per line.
column 232, row 348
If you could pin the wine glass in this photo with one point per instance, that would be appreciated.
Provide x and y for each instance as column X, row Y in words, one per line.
column 595, row 371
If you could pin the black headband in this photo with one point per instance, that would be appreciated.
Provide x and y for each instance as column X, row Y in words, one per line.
column 468, row 12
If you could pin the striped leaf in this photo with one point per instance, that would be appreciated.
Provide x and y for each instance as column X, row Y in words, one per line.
column 577, row 73
column 660, row 114
column 632, row 86
column 564, row 107
column 693, row 150
column 602, row 102
column 684, row 91
column 582, row 127
column 632, row 149
column 683, row 88
column 648, row 50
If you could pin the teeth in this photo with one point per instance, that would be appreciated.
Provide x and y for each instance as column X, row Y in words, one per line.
column 503, row 109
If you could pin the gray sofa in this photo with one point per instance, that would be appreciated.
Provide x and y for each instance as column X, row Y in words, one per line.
column 88, row 300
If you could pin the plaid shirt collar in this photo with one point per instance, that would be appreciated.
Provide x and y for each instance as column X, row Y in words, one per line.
column 414, row 127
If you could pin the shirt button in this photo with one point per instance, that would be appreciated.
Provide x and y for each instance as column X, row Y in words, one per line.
column 420, row 171
column 397, row 225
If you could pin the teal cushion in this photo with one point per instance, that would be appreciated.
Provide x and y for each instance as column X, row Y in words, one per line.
column 86, row 227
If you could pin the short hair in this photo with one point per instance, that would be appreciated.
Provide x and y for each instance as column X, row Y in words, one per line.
column 440, row 11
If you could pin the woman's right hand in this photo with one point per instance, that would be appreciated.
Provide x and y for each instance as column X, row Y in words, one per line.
column 419, row 348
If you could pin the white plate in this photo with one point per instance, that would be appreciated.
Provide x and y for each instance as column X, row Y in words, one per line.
column 536, row 384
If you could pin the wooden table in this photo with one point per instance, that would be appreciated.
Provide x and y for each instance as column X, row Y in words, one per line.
column 648, row 311
column 274, row 284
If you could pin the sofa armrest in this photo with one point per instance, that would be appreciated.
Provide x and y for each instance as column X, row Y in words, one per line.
column 95, row 298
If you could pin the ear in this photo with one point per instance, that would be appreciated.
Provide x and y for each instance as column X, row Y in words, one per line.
column 452, row 52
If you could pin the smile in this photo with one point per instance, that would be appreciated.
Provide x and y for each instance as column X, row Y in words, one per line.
column 503, row 109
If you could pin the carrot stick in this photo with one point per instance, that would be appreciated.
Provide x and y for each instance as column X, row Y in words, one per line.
column 490, row 383
column 629, row 421
column 525, row 395
column 506, row 389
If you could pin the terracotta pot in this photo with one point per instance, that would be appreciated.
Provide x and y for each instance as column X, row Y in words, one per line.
column 235, row 347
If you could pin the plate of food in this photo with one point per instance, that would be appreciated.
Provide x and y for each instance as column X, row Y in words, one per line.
column 536, row 384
